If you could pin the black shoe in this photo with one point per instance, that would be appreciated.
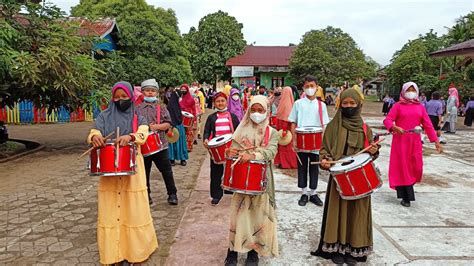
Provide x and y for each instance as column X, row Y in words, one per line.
column 173, row 162
column 199, row 136
column 183, row 163
column 195, row 142
column 124, row 263
column 173, row 199
column 405, row 203
column 150, row 201
column 215, row 201
column 337, row 259
column 349, row 260
column 231, row 259
column 252, row 258
column 316, row 200
column 303, row 200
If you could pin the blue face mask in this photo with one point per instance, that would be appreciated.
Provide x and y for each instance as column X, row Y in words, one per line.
column 150, row 99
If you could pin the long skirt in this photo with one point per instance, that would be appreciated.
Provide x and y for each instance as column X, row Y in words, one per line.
column 469, row 117
column 286, row 156
column 385, row 107
column 347, row 226
column 179, row 149
column 253, row 225
column 125, row 228
column 189, row 138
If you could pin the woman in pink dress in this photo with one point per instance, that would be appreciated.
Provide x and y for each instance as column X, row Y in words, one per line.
column 406, row 155
column 286, row 156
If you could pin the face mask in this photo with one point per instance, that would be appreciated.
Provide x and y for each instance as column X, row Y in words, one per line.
column 184, row 92
column 123, row 105
column 235, row 97
column 411, row 95
column 310, row 91
column 257, row 117
column 222, row 110
column 150, row 99
column 277, row 93
column 348, row 111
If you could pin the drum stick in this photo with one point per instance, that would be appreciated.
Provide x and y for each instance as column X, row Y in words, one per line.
column 368, row 147
column 117, row 147
column 298, row 157
column 89, row 150
column 246, row 149
column 236, row 161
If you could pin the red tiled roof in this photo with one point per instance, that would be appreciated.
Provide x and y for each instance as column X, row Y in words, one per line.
column 263, row 56
column 464, row 48
column 100, row 27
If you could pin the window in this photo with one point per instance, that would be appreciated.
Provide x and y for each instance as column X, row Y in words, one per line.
column 277, row 82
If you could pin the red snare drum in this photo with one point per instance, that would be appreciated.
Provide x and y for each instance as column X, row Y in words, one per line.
column 152, row 145
column 273, row 121
column 217, row 147
column 246, row 178
column 309, row 139
column 357, row 178
column 187, row 119
column 103, row 161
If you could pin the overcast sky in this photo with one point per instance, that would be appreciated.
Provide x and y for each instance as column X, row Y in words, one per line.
column 380, row 27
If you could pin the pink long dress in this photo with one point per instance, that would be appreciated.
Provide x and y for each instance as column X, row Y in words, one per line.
column 406, row 154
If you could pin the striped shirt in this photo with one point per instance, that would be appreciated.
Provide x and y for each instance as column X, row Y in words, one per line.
column 223, row 124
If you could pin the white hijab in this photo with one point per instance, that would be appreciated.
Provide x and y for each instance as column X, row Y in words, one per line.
column 247, row 129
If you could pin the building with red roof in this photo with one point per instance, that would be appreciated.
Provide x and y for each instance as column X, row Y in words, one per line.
column 262, row 65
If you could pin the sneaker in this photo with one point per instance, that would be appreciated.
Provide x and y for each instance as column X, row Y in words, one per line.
column 303, row 200
column 199, row 136
column 231, row 259
column 252, row 258
column 183, row 163
column 442, row 140
column 195, row 142
column 316, row 200
column 173, row 199
column 173, row 162
column 337, row 259
column 215, row 201
column 349, row 260
column 405, row 203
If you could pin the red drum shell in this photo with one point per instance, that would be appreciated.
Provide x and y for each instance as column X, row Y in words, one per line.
column 217, row 147
column 359, row 179
column 102, row 161
column 309, row 139
column 152, row 144
column 247, row 178
column 188, row 119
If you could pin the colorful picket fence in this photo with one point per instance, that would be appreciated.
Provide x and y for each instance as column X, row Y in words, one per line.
column 26, row 113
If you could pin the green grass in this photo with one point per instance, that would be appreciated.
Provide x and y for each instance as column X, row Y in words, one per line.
column 372, row 98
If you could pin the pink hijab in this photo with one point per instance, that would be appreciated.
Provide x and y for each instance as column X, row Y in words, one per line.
column 452, row 91
column 405, row 87
column 286, row 104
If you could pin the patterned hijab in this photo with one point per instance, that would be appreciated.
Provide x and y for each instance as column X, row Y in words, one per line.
column 111, row 118
column 247, row 129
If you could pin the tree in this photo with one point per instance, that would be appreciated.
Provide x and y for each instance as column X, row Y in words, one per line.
column 332, row 56
column 149, row 39
column 218, row 38
column 462, row 31
column 43, row 60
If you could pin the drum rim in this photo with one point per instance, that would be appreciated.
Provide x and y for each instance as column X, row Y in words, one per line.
column 153, row 152
column 298, row 130
column 369, row 159
column 246, row 192
column 251, row 161
column 112, row 174
column 187, row 114
column 307, row 151
column 356, row 197
column 113, row 144
column 220, row 144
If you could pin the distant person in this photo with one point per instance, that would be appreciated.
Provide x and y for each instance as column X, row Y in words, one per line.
column 452, row 109
column 385, row 104
column 469, row 112
column 434, row 108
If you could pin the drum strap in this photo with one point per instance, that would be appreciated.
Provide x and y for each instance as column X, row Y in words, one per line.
column 320, row 109
column 135, row 123
column 158, row 114
column 266, row 137
column 366, row 139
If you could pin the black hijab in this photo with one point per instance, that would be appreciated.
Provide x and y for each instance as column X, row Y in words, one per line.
column 175, row 109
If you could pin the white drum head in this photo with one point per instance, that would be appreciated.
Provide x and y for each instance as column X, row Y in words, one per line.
column 217, row 141
column 309, row 130
column 353, row 163
column 187, row 114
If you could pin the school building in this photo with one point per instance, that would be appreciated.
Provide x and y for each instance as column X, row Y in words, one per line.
column 262, row 65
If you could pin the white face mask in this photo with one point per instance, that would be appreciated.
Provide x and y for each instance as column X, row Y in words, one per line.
column 310, row 91
column 235, row 97
column 411, row 95
column 221, row 110
column 257, row 117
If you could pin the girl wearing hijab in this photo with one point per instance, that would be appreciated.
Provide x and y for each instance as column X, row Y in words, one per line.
column 188, row 104
column 406, row 154
column 452, row 109
column 286, row 156
column 179, row 149
column 253, row 218
column 125, row 232
column 235, row 106
column 346, row 231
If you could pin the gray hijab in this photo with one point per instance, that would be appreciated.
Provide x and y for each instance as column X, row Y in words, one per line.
column 111, row 118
